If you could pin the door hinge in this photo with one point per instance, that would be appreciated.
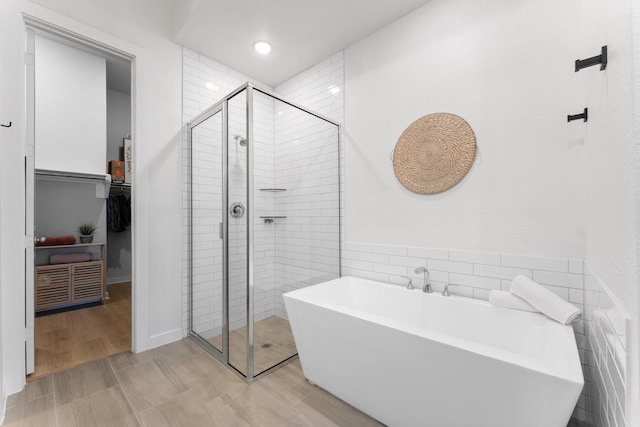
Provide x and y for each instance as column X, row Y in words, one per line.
column 28, row 334
column 28, row 58
column 28, row 242
column 28, row 150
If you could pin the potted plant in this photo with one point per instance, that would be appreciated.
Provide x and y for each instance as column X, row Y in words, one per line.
column 86, row 233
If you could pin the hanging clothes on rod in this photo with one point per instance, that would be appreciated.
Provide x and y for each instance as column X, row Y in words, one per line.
column 118, row 212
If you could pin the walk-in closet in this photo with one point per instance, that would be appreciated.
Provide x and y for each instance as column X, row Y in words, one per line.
column 80, row 203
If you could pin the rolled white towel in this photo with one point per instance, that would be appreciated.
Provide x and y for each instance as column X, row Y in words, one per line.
column 508, row 300
column 544, row 300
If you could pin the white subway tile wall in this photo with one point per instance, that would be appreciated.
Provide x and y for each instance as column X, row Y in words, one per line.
column 205, row 82
column 607, row 343
column 289, row 253
column 206, row 213
column 602, row 347
column 320, row 88
column 307, row 165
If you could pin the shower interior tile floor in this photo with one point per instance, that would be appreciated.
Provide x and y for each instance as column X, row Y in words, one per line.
column 272, row 342
column 175, row 385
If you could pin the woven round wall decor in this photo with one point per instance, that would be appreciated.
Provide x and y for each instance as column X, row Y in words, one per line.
column 434, row 153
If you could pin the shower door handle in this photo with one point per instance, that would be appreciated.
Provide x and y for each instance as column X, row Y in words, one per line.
column 220, row 232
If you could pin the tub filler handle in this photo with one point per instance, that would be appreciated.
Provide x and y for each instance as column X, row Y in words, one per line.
column 410, row 284
column 445, row 291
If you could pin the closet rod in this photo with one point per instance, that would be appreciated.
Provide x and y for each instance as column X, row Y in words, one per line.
column 52, row 174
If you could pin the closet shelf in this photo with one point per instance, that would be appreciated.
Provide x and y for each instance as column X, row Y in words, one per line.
column 273, row 190
column 70, row 176
column 77, row 245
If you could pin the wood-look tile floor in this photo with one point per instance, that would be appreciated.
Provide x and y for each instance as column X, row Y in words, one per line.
column 175, row 385
column 68, row 339
column 272, row 342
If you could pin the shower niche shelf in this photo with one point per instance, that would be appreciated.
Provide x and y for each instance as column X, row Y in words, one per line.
column 273, row 190
column 268, row 219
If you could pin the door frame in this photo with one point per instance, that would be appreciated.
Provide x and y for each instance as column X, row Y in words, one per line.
column 33, row 25
column 29, row 206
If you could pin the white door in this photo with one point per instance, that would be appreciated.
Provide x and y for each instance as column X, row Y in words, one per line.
column 29, row 178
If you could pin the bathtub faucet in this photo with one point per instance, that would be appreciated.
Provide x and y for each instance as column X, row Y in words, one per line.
column 427, row 279
column 410, row 284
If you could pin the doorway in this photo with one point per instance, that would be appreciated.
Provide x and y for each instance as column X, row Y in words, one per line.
column 78, row 172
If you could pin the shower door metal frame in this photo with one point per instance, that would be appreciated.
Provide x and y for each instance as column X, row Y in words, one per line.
column 218, row 108
column 222, row 106
column 250, row 246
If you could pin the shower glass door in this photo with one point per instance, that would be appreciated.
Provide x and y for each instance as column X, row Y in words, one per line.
column 207, row 296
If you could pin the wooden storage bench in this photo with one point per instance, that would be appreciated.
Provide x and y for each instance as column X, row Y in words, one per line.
column 62, row 285
column 66, row 284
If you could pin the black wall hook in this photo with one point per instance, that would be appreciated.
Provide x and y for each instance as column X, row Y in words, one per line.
column 6, row 126
column 595, row 60
column 584, row 115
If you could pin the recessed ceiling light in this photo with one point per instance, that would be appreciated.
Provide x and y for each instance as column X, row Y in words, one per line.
column 334, row 89
column 262, row 47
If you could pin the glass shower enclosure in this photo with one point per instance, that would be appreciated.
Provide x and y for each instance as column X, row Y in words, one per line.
column 264, row 204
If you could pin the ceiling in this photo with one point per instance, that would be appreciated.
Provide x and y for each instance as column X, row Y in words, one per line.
column 302, row 32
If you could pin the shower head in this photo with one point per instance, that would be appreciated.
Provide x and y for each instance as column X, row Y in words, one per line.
column 240, row 140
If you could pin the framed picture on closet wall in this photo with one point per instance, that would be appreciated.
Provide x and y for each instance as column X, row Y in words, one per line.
column 128, row 160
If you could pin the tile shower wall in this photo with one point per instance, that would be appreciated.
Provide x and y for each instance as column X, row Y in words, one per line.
column 284, row 247
column 205, row 82
column 306, row 165
column 308, row 239
column 475, row 274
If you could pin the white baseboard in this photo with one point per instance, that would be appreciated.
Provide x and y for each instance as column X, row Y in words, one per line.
column 159, row 340
column 113, row 280
column 3, row 405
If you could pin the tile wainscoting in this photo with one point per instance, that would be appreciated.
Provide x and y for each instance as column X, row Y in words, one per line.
column 601, row 335
column 607, row 355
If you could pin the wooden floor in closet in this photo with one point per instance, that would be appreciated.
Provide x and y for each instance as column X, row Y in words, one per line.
column 64, row 340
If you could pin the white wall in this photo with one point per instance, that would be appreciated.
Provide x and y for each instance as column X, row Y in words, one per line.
column 118, row 126
column 612, row 167
column 157, row 194
column 71, row 108
column 5, row 113
column 61, row 207
column 118, row 122
column 12, row 189
column 512, row 79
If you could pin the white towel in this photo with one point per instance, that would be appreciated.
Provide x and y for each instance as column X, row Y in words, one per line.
column 544, row 300
column 508, row 300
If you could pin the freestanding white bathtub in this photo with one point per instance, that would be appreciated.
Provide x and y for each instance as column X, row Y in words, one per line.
column 407, row 358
